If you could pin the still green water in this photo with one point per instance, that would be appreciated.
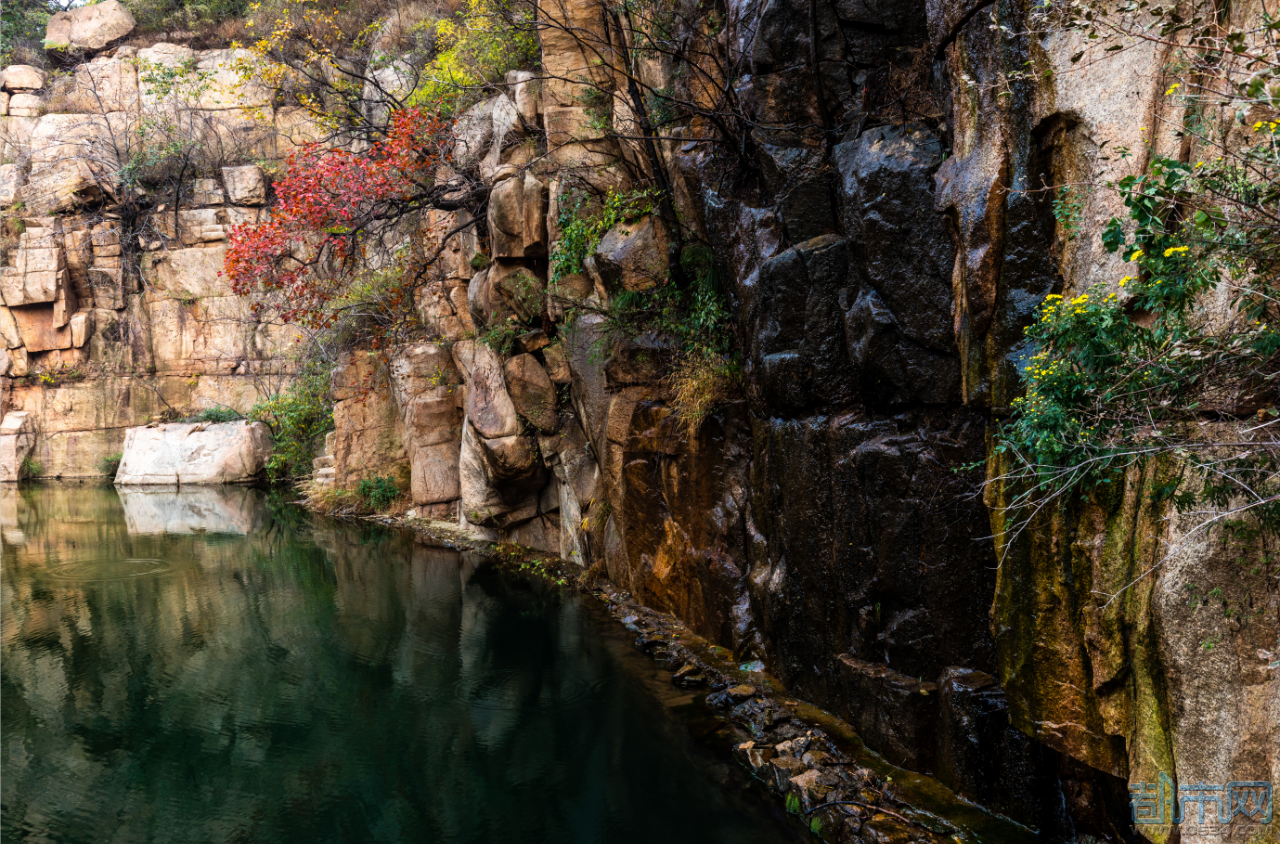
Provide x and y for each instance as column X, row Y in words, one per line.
column 213, row 665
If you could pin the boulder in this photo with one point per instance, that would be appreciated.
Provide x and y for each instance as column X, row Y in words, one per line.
column 886, row 192
column 510, row 460
column 19, row 362
column 485, row 306
column 557, row 364
column 485, row 502
column 506, row 219
column 15, row 137
column 894, row 714
column 506, row 128
column 88, row 28
column 17, row 437
column 25, row 105
column 81, row 327
column 162, row 55
column 532, row 392
column 229, row 452
column 489, row 407
column 473, row 134
column 17, row 78
column 222, row 85
column 517, row 288
column 245, row 185
column 525, row 90
column 518, row 217
column 796, row 175
column 632, row 256
column 29, row 288
column 535, row 216
column 434, row 474
column 38, row 330
column 72, row 161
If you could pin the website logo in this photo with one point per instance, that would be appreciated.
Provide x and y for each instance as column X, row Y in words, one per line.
column 1164, row 802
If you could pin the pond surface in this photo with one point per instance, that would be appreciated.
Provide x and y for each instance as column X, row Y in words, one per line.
column 213, row 665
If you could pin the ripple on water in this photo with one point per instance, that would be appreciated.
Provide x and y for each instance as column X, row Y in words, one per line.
column 107, row 569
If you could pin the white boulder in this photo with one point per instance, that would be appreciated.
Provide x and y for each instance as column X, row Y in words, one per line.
column 185, row 453
column 17, row 437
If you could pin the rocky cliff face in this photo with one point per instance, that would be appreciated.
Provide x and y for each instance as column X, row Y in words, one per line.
column 94, row 344
column 883, row 245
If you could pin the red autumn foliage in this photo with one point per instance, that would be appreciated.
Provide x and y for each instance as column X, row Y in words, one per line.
column 329, row 209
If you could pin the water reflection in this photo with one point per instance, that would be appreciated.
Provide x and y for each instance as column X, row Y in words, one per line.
column 209, row 666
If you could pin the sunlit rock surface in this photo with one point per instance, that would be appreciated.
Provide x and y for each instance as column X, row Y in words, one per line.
column 194, row 453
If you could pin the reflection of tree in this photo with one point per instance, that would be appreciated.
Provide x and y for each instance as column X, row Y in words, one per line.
column 313, row 684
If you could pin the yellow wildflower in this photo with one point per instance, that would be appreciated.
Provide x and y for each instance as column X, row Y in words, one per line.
column 1137, row 253
column 1173, row 249
column 1126, row 280
column 1175, row 86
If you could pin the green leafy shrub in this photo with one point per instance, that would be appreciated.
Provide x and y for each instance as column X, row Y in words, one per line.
column 581, row 232
column 22, row 28
column 487, row 39
column 501, row 337
column 1125, row 374
column 216, row 415
column 30, row 468
column 298, row 417
column 110, row 464
column 378, row 493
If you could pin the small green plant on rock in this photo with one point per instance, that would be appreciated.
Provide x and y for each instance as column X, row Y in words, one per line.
column 705, row 371
column 378, row 493
column 110, row 464
column 298, row 417
column 30, row 468
column 581, row 232
column 216, row 415
column 501, row 337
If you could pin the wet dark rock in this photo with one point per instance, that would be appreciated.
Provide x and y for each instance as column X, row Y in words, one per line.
column 982, row 757
column 894, row 371
column 897, row 316
column 532, row 341
column 784, row 768
column 893, row 713
column 800, row 180
column 689, row 676
column 799, row 335
column 852, row 558
column 638, row 360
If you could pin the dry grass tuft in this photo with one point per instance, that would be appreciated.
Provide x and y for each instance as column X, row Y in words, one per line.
column 700, row 382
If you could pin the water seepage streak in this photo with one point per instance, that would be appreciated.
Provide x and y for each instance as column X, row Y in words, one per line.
column 216, row 666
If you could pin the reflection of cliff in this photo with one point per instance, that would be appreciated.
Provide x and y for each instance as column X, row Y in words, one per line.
column 341, row 685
